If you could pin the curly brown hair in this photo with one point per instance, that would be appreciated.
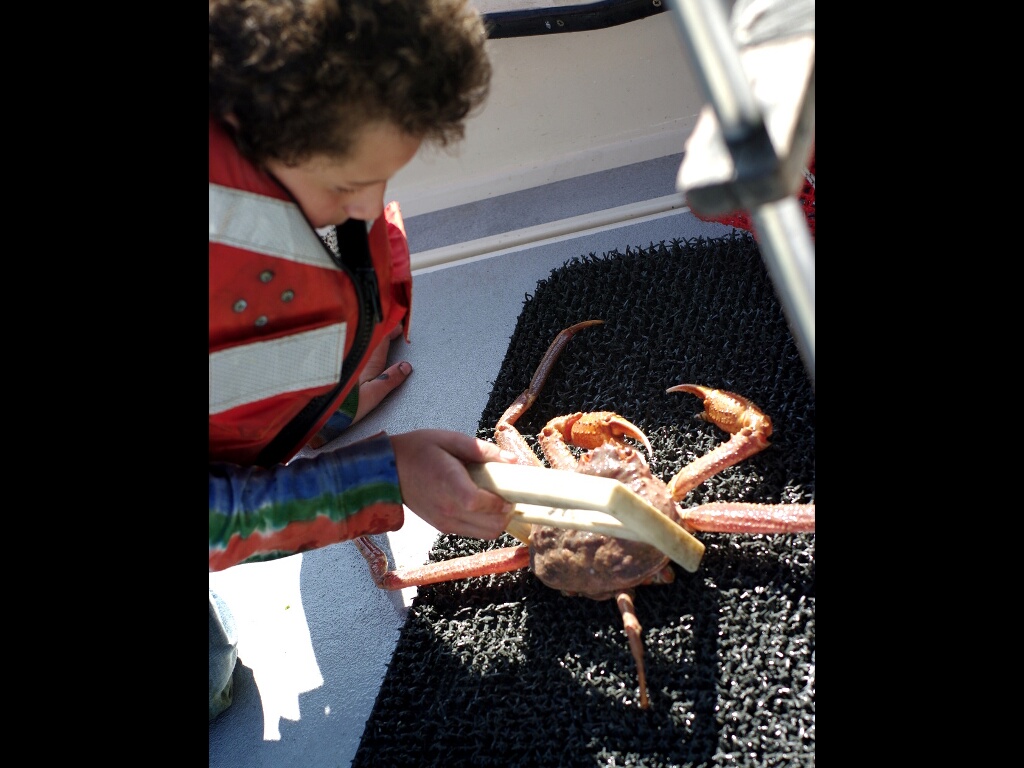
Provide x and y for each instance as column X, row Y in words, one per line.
column 301, row 77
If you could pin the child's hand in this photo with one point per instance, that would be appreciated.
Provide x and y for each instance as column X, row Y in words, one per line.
column 375, row 381
column 437, row 487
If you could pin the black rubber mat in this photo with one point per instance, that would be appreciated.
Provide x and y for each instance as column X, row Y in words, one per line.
column 504, row 671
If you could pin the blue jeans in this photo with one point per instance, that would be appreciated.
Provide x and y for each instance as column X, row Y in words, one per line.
column 223, row 654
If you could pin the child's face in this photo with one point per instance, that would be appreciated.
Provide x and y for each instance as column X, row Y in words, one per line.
column 331, row 191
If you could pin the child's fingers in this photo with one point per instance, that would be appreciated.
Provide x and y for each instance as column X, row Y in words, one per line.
column 373, row 391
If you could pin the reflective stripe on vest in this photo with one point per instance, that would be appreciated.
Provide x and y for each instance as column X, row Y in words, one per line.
column 264, row 225
column 252, row 372
column 261, row 369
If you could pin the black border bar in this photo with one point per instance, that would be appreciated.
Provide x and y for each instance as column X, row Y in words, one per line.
column 573, row 18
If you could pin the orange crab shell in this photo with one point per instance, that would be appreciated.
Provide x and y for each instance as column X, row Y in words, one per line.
column 597, row 566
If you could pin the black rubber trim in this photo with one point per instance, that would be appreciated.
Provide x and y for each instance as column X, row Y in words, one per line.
column 574, row 18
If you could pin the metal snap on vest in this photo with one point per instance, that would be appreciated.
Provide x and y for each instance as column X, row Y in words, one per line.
column 288, row 295
column 261, row 321
column 266, row 276
column 240, row 305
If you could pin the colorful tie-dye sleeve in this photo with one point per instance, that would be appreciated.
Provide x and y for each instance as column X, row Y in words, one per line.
column 262, row 514
column 340, row 421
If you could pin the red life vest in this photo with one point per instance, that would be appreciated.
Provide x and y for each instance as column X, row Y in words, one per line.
column 289, row 327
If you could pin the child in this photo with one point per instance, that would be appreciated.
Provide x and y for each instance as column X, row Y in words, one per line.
column 314, row 106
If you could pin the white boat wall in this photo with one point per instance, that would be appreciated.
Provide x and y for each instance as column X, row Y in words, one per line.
column 563, row 105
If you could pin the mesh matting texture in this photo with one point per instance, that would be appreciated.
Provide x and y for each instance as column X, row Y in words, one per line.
column 504, row 671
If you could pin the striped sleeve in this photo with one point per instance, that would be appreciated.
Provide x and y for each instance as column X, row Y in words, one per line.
column 261, row 514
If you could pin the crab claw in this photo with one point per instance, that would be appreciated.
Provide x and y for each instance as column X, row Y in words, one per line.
column 592, row 429
column 729, row 411
column 749, row 426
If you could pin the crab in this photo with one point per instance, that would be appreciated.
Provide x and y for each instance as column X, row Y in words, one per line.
column 596, row 566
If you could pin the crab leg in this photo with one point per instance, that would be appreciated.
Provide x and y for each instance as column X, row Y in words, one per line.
column 636, row 644
column 506, row 435
column 750, row 428
column 740, row 517
column 480, row 564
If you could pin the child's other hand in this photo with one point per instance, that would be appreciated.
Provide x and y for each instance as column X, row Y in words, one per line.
column 375, row 381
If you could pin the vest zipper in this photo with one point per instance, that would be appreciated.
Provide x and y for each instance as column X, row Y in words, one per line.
column 357, row 263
